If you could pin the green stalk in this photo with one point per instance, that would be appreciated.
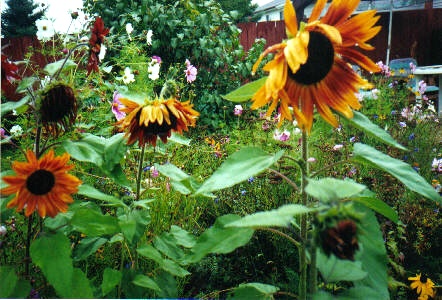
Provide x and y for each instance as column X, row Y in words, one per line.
column 302, row 250
column 140, row 172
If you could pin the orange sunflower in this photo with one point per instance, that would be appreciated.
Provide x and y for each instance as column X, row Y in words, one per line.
column 311, row 69
column 423, row 285
column 158, row 118
column 43, row 185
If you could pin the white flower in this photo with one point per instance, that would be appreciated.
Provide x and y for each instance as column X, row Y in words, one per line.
column 154, row 70
column 102, row 52
column 3, row 230
column 16, row 130
column 129, row 29
column 45, row 29
column 149, row 37
column 45, row 81
column 297, row 131
column 338, row 147
column 128, row 77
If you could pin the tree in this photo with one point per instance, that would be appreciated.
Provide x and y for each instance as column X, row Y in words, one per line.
column 243, row 8
column 19, row 18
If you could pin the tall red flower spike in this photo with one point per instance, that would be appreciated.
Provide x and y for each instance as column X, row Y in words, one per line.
column 98, row 35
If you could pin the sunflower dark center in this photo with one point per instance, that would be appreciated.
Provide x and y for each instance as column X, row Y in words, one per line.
column 319, row 62
column 423, row 279
column 40, row 182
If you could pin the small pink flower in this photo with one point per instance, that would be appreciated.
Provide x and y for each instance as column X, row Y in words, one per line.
column 3, row 133
column 311, row 160
column 156, row 59
column 116, row 106
column 237, row 111
column 338, row 147
column 154, row 172
column 190, row 72
column 282, row 136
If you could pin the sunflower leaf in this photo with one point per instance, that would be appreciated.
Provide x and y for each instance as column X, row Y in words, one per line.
column 245, row 92
column 360, row 121
column 52, row 68
column 11, row 105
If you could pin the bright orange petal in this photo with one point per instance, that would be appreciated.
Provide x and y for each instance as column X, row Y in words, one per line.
column 290, row 18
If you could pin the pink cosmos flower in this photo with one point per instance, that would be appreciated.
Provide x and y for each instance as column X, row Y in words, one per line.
column 237, row 111
column 3, row 133
column 117, row 106
column 190, row 72
column 282, row 136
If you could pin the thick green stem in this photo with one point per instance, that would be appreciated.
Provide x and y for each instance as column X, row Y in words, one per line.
column 28, row 245
column 140, row 172
column 303, row 251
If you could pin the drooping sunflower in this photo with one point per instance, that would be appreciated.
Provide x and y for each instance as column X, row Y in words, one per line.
column 41, row 184
column 57, row 107
column 157, row 118
column 98, row 34
column 311, row 68
column 423, row 285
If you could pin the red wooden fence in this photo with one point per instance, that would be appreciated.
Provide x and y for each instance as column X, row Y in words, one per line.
column 415, row 34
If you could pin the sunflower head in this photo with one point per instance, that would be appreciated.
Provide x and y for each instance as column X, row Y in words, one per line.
column 41, row 184
column 310, row 70
column 423, row 285
column 155, row 119
column 341, row 240
column 57, row 107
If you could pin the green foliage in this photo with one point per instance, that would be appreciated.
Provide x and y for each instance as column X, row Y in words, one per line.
column 18, row 19
column 241, row 11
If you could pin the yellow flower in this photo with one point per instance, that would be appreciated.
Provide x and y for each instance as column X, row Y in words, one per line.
column 43, row 185
column 310, row 70
column 424, row 286
column 158, row 118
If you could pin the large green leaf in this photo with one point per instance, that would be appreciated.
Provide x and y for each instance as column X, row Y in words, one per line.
column 111, row 278
column 183, row 237
column 219, row 239
column 93, row 223
column 146, row 282
column 88, row 149
column 372, row 254
column 399, row 169
column 25, row 84
column 11, row 105
column 53, row 68
column 81, row 288
column 276, row 217
column 332, row 189
column 369, row 199
column 8, row 281
column 181, row 182
column 239, row 167
column 166, row 244
column 246, row 91
column 93, row 193
column 88, row 246
column 254, row 290
column 133, row 225
column 360, row 121
column 52, row 254
column 334, row 269
column 114, row 151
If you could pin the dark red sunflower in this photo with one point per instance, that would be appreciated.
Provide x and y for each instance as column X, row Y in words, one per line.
column 98, row 34
column 341, row 240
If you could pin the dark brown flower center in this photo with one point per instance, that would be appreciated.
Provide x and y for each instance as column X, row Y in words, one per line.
column 40, row 182
column 423, row 279
column 319, row 62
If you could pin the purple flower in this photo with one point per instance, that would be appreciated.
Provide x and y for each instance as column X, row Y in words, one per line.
column 237, row 111
column 282, row 136
column 403, row 124
column 190, row 72
column 251, row 179
column 116, row 106
column 411, row 136
column 3, row 133
column 156, row 59
column 352, row 139
column 154, row 172
column 243, row 192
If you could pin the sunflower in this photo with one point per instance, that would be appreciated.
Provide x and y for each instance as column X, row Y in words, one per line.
column 43, row 185
column 58, row 108
column 424, row 286
column 157, row 118
column 341, row 240
column 98, row 34
column 311, row 69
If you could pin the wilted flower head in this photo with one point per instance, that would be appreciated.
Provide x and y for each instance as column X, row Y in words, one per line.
column 117, row 106
column 98, row 34
column 155, row 118
column 57, row 107
column 45, row 29
column 237, row 111
column 190, row 72
column 341, row 240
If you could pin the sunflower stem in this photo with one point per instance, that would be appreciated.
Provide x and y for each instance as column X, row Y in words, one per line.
column 28, row 245
column 140, row 172
column 302, row 250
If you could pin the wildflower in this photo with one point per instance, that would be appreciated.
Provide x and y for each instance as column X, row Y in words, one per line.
column 190, row 72
column 154, row 172
column 422, row 87
column 3, row 230
column 45, row 29
column 243, row 192
column 412, row 68
column 117, row 106
column 156, row 118
column 57, row 107
column 338, row 147
column 43, row 185
column 265, row 126
column 16, row 130
column 102, row 53
column 411, row 136
column 402, row 124
column 423, row 285
column 385, row 70
column 9, row 71
column 251, row 179
column 237, row 111
column 297, row 131
column 352, row 139
column 309, row 69
column 341, row 240
column 375, row 93
column 3, row 134
column 436, row 165
column 154, row 68
column 98, row 34
column 129, row 29
column 311, row 160
column 281, row 136
column 128, row 76
column 149, row 35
